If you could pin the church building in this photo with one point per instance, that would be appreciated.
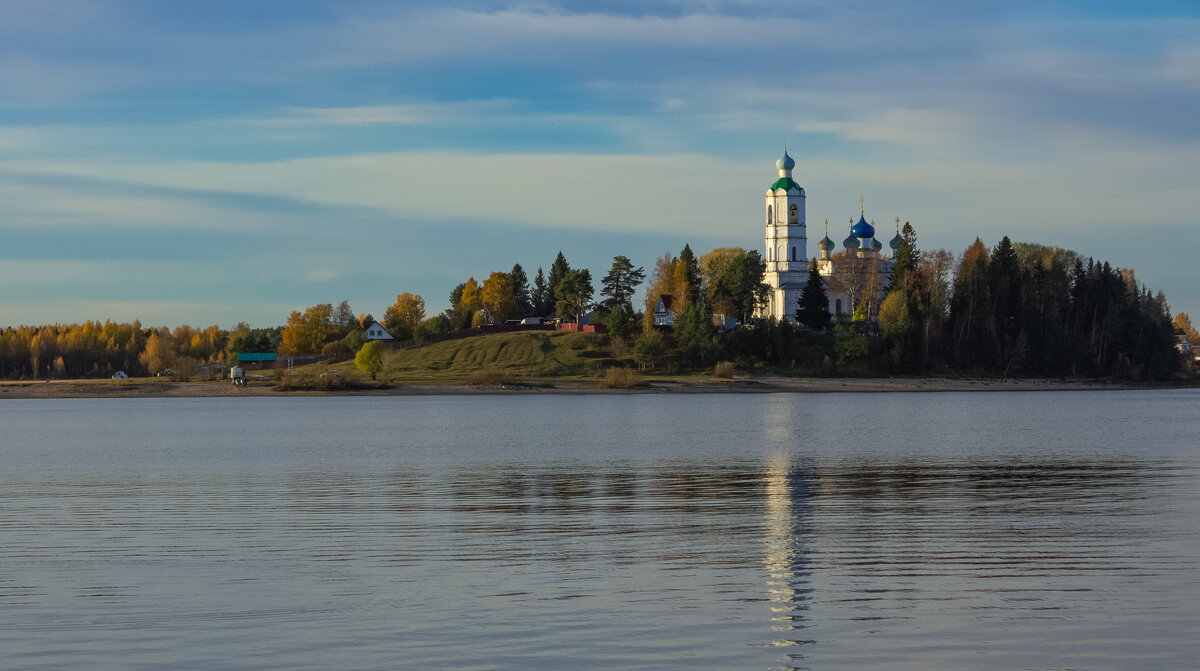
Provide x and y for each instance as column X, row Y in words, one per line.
column 786, row 243
column 856, row 276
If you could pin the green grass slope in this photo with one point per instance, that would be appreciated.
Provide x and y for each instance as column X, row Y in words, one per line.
column 538, row 354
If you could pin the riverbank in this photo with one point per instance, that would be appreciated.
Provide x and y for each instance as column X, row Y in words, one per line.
column 156, row 388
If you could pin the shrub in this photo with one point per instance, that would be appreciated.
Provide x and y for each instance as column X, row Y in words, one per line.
column 723, row 369
column 619, row 348
column 851, row 348
column 487, row 377
column 595, row 366
column 621, row 378
column 285, row 381
column 318, row 378
column 337, row 350
column 370, row 358
column 650, row 350
column 183, row 368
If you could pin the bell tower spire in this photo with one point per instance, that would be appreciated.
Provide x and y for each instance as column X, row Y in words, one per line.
column 786, row 241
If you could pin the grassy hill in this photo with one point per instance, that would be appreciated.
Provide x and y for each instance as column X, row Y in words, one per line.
column 522, row 355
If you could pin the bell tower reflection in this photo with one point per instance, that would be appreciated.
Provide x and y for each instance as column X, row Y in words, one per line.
column 788, row 564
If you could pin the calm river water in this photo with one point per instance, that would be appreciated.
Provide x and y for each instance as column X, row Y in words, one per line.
column 784, row 531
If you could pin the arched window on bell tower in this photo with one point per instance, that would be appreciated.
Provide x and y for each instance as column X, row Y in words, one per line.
column 770, row 215
column 793, row 215
column 793, row 253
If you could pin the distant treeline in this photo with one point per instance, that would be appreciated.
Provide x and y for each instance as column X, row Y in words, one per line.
column 1022, row 309
column 1018, row 309
column 95, row 349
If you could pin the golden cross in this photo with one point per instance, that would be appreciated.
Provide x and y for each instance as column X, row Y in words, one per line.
column 861, row 208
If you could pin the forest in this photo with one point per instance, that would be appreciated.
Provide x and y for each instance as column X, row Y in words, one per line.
column 1016, row 309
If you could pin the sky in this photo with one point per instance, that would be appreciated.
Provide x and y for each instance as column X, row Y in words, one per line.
column 223, row 161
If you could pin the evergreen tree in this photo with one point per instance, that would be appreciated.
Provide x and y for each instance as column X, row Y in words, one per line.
column 574, row 294
column 813, row 308
column 1005, row 284
column 621, row 322
column 650, row 350
column 908, row 258
column 620, row 283
column 521, row 297
column 541, row 296
column 741, row 287
column 695, row 338
column 686, row 277
column 558, row 270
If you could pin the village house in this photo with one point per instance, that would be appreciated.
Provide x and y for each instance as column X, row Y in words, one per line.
column 663, row 314
column 375, row 331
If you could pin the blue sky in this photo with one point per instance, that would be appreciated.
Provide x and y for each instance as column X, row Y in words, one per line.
column 220, row 161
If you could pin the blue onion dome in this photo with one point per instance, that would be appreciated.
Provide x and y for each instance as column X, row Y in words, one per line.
column 896, row 242
column 825, row 244
column 786, row 162
column 850, row 242
column 876, row 245
column 862, row 229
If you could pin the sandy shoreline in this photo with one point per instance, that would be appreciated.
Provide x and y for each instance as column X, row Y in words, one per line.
column 757, row 385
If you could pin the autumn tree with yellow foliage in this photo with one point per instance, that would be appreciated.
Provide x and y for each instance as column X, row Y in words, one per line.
column 307, row 332
column 403, row 316
column 498, row 298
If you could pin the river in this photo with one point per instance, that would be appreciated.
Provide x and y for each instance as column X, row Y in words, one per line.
column 1039, row 530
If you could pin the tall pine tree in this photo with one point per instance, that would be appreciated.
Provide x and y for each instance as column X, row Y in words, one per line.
column 813, row 308
column 573, row 296
column 687, row 277
column 521, row 297
column 620, row 283
column 558, row 270
column 541, row 297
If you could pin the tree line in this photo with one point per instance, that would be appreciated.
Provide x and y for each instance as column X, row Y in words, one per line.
column 1015, row 309
column 1021, row 308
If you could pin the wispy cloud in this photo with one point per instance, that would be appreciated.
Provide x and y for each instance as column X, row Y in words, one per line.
column 403, row 114
column 296, row 127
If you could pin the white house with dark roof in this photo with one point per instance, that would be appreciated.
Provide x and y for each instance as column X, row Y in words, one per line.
column 375, row 331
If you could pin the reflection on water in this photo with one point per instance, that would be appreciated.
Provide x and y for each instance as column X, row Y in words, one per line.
column 305, row 549
column 787, row 555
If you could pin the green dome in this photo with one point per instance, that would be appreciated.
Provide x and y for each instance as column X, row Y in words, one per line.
column 787, row 183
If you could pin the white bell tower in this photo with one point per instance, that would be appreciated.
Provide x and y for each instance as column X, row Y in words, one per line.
column 786, row 242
